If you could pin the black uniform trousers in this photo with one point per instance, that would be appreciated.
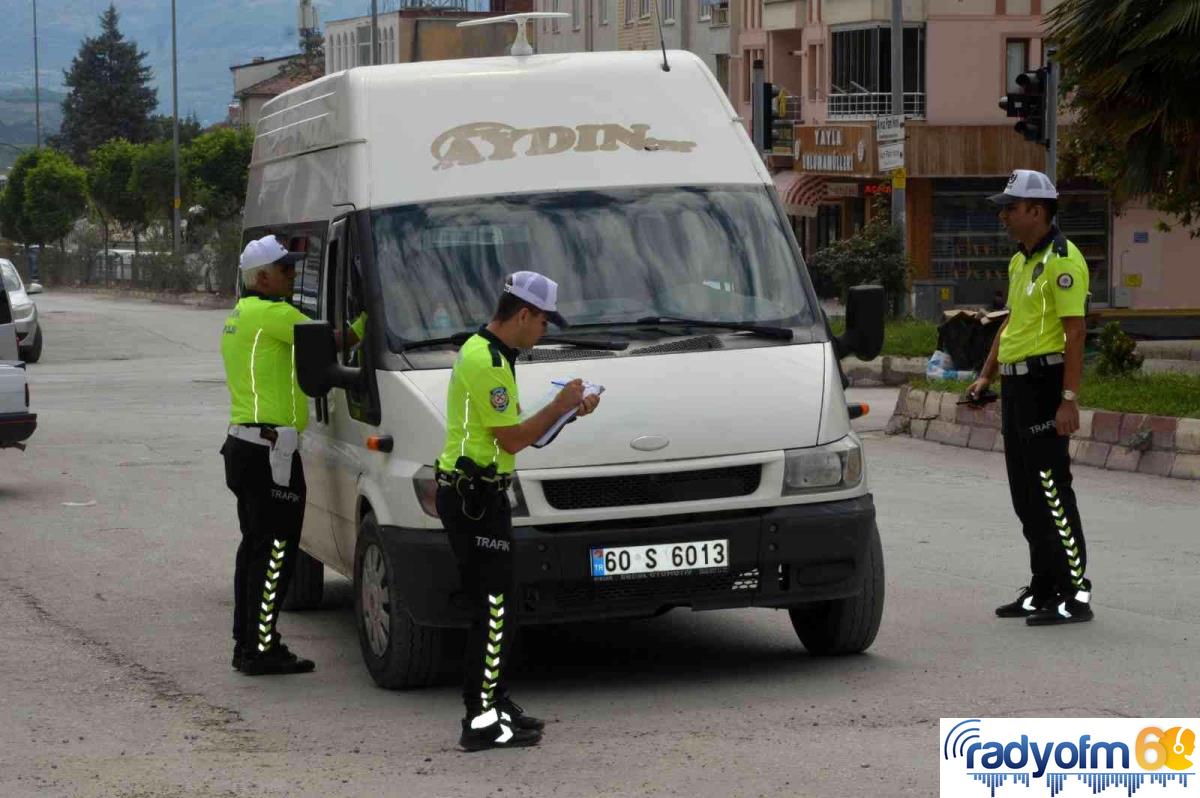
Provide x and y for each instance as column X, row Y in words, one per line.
column 481, row 537
column 1039, row 478
column 271, row 518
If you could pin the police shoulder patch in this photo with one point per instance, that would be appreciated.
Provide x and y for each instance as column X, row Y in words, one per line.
column 1065, row 281
column 500, row 398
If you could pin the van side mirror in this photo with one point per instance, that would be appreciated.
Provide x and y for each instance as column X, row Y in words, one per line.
column 33, row 288
column 865, row 310
column 317, row 367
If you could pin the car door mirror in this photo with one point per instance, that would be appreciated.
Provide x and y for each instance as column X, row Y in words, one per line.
column 865, row 310
column 317, row 367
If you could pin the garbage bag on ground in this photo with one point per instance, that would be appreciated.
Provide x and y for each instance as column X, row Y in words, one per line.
column 967, row 335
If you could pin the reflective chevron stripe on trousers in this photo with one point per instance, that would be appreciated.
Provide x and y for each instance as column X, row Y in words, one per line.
column 483, row 550
column 271, row 518
column 1040, row 481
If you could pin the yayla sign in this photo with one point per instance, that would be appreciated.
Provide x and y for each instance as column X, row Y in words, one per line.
column 477, row 142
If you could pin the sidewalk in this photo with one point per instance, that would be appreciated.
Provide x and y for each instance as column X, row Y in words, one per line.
column 191, row 299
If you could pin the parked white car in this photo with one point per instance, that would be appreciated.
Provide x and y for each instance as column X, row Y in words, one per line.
column 24, row 311
column 16, row 422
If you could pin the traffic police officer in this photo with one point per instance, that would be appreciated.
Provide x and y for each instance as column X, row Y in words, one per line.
column 1039, row 351
column 484, row 431
column 262, row 461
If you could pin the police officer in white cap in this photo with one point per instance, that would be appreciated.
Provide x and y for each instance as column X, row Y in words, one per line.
column 484, row 432
column 262, row 457
column 1039, row 354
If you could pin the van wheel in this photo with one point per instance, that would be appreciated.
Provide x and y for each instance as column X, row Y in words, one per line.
column 845, row 626
column 34, row 352
column 307, row 587
column 398, row 652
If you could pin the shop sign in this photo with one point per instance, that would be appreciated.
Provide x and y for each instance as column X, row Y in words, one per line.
column 836, row 149
column 889, row 128
column 891, row 156
column 1141, row 237
column 841, row 190
column 877, row 188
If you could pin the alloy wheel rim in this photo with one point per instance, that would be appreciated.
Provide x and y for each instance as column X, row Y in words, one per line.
column 375, row 605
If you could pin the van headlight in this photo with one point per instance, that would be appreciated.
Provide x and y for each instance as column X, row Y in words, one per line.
column 835, row 466
column 426, row 487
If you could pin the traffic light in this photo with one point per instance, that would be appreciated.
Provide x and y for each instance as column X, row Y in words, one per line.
column 1029, row 107
column 770, row 95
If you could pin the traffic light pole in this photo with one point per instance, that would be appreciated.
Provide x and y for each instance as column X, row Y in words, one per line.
column 899, row 217
column 757, row 110
column 1052, row 70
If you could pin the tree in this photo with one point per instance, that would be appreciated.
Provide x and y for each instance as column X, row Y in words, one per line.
column 874, row 255
column 153, row 178
column 55, row 197
column 217, row 166
column 1124, row 72
column 110, row 179
column 14, row 224
column 110, row 94
column 161, row 129
column 310, row 64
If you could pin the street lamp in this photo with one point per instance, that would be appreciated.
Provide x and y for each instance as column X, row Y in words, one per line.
column 175, row 128
column 37, row 89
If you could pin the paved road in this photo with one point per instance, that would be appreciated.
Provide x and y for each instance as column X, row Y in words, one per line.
column 117, row 538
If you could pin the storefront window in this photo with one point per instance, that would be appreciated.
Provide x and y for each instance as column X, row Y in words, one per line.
column 829, row 225
column 971, row 247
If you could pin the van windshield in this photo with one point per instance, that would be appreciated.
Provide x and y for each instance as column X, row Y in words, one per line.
column 618, row 255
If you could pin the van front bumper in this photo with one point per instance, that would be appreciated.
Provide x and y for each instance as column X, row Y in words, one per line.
column 779, row 557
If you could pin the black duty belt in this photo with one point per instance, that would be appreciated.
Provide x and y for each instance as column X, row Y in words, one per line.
column 449, row 479
column 1022, row 368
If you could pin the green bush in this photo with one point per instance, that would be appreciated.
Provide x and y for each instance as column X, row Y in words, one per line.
column 1118, row 354
column 875, row 255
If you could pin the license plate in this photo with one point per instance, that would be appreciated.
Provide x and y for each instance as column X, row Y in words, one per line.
column 697, row 557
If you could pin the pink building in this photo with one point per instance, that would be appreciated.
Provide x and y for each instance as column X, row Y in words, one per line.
column 832, row 58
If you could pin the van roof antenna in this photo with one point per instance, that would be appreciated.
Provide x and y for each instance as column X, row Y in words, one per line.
column 662, row 40
column 520, row 45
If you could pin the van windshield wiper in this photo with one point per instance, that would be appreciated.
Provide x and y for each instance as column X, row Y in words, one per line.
column 764, row 330
column 460, row 338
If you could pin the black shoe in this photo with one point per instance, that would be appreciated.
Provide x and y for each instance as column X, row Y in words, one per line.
column 275, row 661
column 489, row 730
column 1026, row 605
column 511, row 711
column 1064, row 608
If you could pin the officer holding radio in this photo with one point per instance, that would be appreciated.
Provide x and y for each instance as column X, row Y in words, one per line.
column 1039, row 354
column 484, row 432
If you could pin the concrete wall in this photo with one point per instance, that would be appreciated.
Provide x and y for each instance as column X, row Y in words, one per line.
column 1167, row 263
column 249, row 74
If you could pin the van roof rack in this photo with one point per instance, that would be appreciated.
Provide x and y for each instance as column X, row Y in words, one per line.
column 520, row 45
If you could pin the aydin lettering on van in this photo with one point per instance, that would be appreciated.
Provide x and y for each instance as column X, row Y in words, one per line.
column 492, row 141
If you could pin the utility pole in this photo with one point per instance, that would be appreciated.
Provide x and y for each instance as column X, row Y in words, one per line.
column 37, row 87
column 175, row 127
column 899, row 217
column 374, row 32
column 1051, row 104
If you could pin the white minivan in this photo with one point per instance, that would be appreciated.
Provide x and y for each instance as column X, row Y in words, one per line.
column 724, row 438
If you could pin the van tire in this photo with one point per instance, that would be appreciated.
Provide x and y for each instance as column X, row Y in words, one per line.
column 849, row 625
column 307, row 587
column 413, row 655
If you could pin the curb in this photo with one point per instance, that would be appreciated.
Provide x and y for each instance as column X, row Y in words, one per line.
column 193, row 300
column 886, row 370
column 1159, row 445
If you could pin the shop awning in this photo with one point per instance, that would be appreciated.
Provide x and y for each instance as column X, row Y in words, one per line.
column 800, row 193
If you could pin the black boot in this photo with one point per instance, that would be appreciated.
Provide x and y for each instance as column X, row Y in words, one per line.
column 1026, row 604
column 1072, row 607
column 489, row 730
column 517, row 716
column 275, row 661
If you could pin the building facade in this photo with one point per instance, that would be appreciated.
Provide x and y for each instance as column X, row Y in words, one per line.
column 704, row 27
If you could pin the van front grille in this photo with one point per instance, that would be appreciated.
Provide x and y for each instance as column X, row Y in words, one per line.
column 638, row 489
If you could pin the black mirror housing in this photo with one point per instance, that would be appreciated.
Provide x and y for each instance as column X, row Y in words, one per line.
column 865, row 310
column 317, row 367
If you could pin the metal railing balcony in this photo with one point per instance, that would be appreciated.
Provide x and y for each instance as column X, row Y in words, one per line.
column 869, row 105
